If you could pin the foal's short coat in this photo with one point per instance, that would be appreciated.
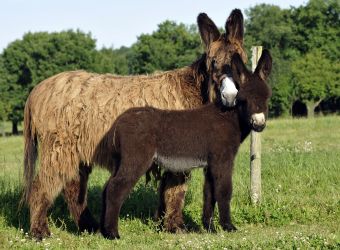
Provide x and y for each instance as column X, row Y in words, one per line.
column 178, row 140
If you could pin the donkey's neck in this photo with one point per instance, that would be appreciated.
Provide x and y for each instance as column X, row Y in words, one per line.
column 193, row 81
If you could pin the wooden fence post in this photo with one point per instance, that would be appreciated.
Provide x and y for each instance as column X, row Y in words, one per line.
column 255, row 146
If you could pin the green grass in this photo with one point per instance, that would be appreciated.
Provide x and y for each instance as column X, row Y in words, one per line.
column 300, row 202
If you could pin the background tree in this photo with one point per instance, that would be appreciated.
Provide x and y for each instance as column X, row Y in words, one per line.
column 38, row 56
column 316, row 71
column 115, row 61
column 271, row 27
column 170, row 46
column 291, row 34
column 4, row 98
column 315, row 78
column 316, row 26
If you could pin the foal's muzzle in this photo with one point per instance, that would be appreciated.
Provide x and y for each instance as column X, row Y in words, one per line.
column 258, row 122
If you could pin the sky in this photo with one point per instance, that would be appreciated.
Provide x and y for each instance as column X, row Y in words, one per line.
column 113, row 23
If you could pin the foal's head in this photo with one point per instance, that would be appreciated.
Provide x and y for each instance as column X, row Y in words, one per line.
column 254, row 92
column 219, row 49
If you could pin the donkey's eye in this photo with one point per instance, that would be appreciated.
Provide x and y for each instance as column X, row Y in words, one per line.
column 213, row 63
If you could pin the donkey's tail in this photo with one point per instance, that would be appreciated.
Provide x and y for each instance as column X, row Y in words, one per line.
column 30, row 152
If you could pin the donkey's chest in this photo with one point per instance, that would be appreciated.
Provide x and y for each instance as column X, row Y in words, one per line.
column 179, row 163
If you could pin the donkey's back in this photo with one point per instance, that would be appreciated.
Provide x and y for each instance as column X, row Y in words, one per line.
column 79, row 107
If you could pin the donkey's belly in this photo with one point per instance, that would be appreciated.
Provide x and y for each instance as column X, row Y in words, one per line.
column 179, row 163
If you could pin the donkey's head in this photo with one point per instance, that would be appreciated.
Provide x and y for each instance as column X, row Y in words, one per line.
column 219, row 49
column 254, row 92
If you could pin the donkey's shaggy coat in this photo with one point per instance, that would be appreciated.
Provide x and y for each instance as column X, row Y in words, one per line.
column 70, row 113
column 178, row 140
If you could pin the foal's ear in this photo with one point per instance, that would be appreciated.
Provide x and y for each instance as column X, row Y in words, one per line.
column 234, row 26
column 239, row 70
column 208, row 30
column 264, row 65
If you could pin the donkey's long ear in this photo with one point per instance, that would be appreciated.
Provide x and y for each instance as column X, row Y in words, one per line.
column 208, row 30
column 264, row 66
column 234, row 26
column 239, row 70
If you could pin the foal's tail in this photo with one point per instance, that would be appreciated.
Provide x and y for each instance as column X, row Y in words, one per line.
column 30, row 153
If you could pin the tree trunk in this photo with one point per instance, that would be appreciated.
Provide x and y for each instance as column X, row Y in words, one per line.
column 15, row 128
column 2, row 129
column 311, row 105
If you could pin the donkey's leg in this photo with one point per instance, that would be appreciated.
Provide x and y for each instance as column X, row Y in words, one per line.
column 172, row 193
column 44, row 190
column 75, row 193
column 209, row 201
column 223, row 191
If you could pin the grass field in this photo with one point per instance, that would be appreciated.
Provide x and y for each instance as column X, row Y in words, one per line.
column 300, row 206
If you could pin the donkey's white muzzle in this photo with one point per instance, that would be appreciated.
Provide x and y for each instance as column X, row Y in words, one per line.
column 228, row 92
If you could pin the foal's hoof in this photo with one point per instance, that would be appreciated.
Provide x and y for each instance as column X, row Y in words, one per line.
column 110, row 236
column 90, row 227
column 39, row 233
column 208, row 224
column 87, row 222
column 229, row 227
column 209, row 227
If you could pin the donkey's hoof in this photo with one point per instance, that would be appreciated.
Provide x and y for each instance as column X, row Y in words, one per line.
column 175, row 228
column 40, row 233
column 174, row 225
column 229, row 227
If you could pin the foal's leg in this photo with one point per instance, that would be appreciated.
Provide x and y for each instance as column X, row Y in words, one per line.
column 222, row 177
column 209, row 201
column 172, row 193
column 75, row 194
column 115, row 192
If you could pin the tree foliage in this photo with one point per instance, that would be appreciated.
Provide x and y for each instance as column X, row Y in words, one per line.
column 5, row 106
column 171, row 46
column 115, row 61
column 316, row 26
column 315, row 78
column 269, row 26
column 37, row 56
column 305, row 45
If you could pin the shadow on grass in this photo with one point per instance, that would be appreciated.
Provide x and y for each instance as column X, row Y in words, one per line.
column 140, row 204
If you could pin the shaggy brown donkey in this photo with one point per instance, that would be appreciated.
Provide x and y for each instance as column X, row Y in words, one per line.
column 69, row 113
column 179, row 140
